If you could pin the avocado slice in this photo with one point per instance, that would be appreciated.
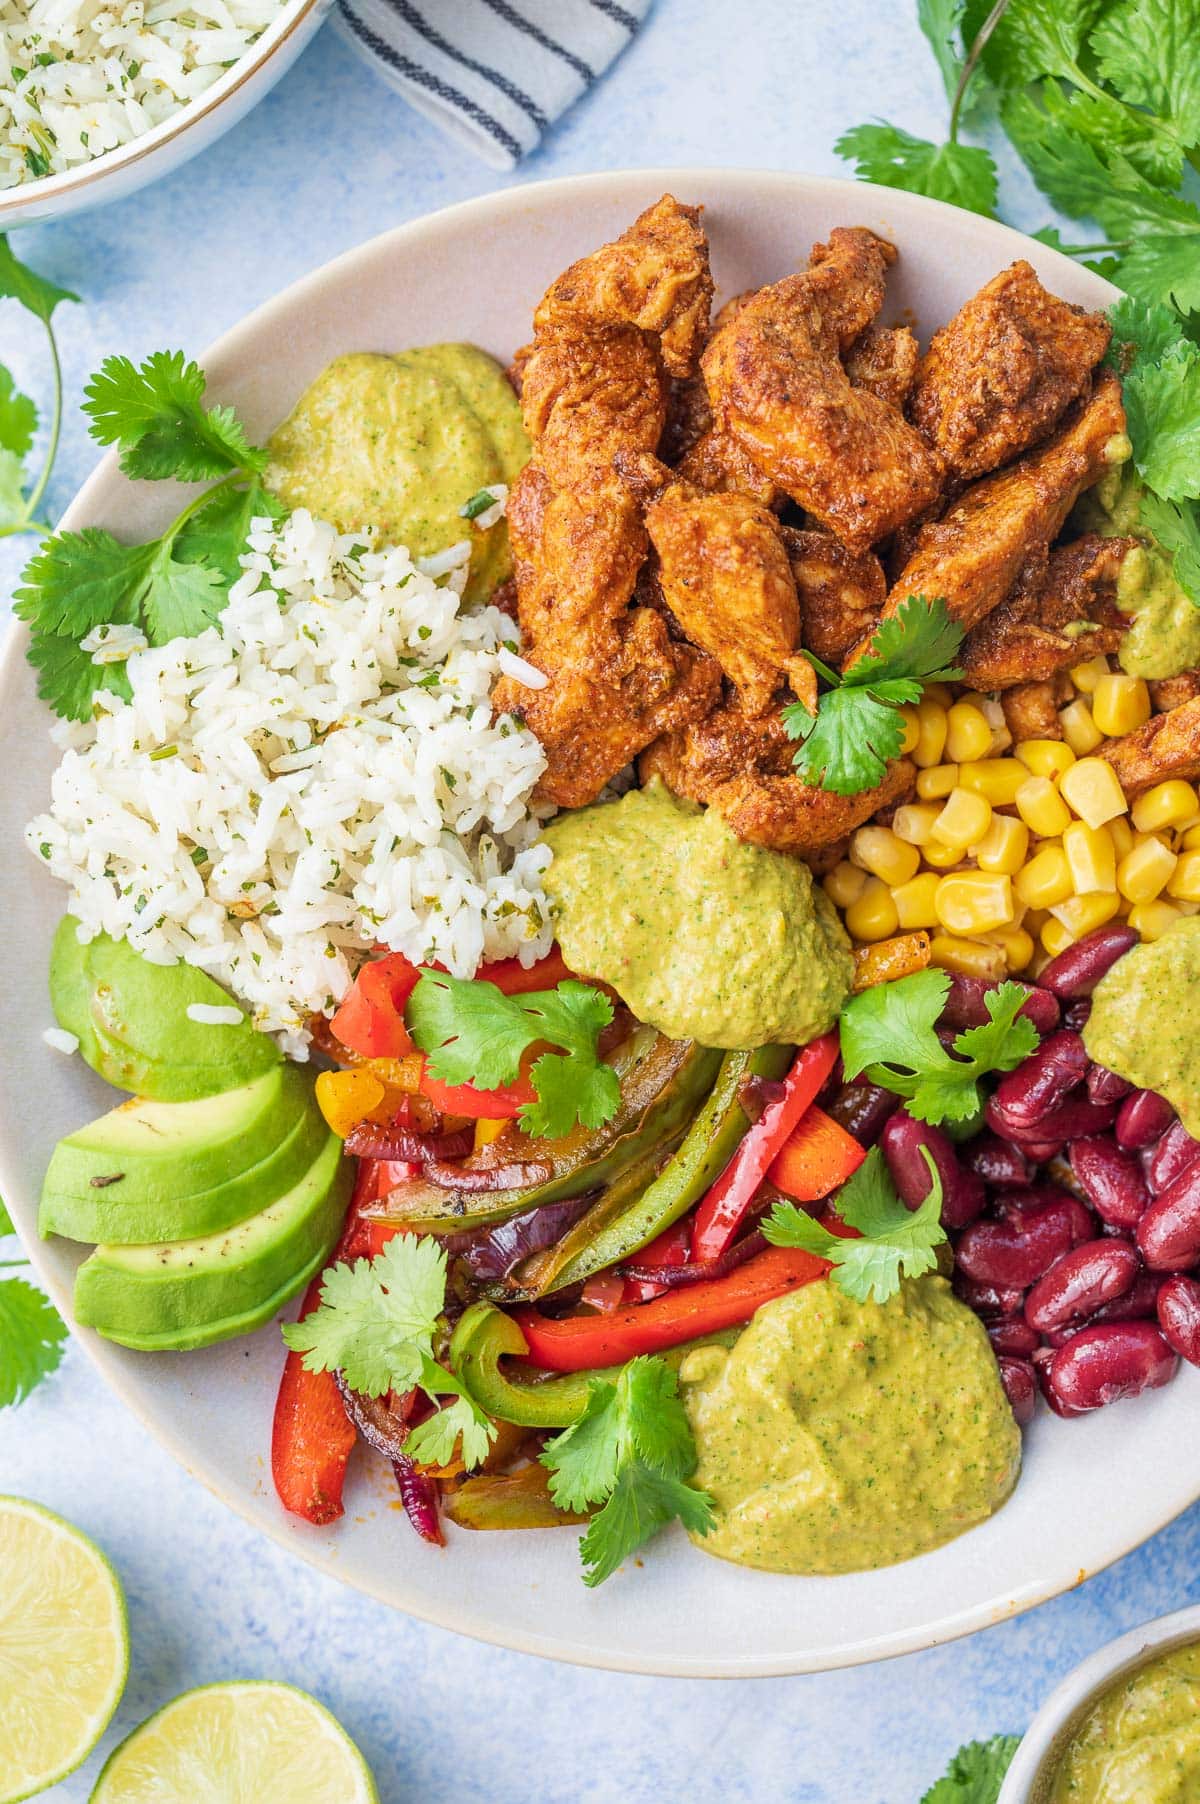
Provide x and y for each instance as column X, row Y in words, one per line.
column 149, row 1156
column 139, row 1197
column 130, row 1017
column 190, row 1293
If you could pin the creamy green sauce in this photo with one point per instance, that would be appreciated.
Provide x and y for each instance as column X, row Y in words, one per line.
column 705, row 937
column 1144, row 1022
column 401, row 442
column 1140, row 1741
column 838, row 1436
column 1164, row 634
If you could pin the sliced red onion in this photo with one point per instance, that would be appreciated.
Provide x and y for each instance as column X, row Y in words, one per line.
column 383, row 1422
column 756, row 1094
column 371, row 1140
column 495, row 1252
column 488, row 1177
column 671, row 1277
column 419, row 1495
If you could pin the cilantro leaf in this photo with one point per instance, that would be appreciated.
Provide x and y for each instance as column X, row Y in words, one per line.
column 1146, row 50
column 893, row 1242
column 180, row 600
column 919, row 641
column 941, row 23
column 1177, row 531
column 216, row 533
column 962, row 174
column 155, row 414
column 79, row 580
column 1039, row 37
column 377, row 1317
column 434, row 1441
column 6, row 1221
column 20, row 283
column 12, row 488
column 67, row 678
column 32, row 1337
column 1162, row 406
column 631, row 1450
column 976, row 1772
column 474, row 1034
column 1142, row 332
column 18, row 417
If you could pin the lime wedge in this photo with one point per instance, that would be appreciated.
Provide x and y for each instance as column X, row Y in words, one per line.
column 257, row 1742
column 64, row 1648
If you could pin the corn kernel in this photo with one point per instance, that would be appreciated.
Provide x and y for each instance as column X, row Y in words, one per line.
column 1184, row 883
column 487, row 1131
column 1150, row 920
column 913, row 823
column 1056, row 938
column 936, row 781
column 931, row 731
column 912, row 728
column 968, row 732
column 963, row 821
column 942, row 858
column 1045, row 757
column 972, row 902
column 1142, row 873
column 1122, row 835
column 1191, row 839
column 1120, row 703
column 1003, row 846
column 880, row 851
column 1042, row 808
column 1166, row 805
column 844, row 884
column 1087, row 677
column 915, row 901
column 1083, row 914
column 1092, row 858
column 1092, row 788
column 1015, row 943
column 974, row 958
column 996, row 779
column 1045, row 880
column 873, row 916
column 1079, row 729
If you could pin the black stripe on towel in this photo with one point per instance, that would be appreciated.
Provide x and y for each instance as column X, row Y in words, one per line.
column 611, row 10
column 413, row 72
column 509, row 89
column 512, row 17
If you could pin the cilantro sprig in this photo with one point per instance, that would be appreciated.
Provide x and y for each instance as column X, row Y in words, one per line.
column 21, row 495
column 171, row 587
column 857, row 728
column 631, row 1452
column 976, row 1772
column 893, row 1242
column 888, row 1032
column 32, row 1333
column 376, row 1324
column 475, row 1034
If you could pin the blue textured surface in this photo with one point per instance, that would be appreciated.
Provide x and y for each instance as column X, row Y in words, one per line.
column 329, row 159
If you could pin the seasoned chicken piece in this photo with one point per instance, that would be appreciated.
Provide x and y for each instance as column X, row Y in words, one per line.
column 725, row 575
column 777, row 385
column 1031, row 712
column 717, row 461
column 1172, row 692
column 1026, row 639
column 1001, row 374
column 743, row 769
column 1167, row 746
column 841, row 592
column 1003, row 526
column 883, row 360
column 689, row 415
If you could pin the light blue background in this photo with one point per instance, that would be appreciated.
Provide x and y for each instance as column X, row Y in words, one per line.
column 329, row 159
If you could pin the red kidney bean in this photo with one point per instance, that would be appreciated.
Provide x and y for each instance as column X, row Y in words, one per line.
column 1013, row 1336
column 1170, row 1157
column 1074, row 1119
column 1101, row 1364
column 1017, row 1204
column 1077, row 971
column 1025, row 1096
column 998, row 1162
column 1016, row 1250
column 966, row 1005
column 1104, row 1085
column 962, row 1191
column 862, row 1109
column 1076, row 1015
column 1168, row 1235
column 1054, row 1338
column 1020, row 1387
column 989, row 1300
column 1137, row 1303
column 1080, row 1282
column 1142, row 1119
column 1112, row 1181
column 1179, row 1316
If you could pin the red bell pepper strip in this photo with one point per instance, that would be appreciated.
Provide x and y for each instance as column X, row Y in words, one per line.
column 816, row 1158
column 502, row 1104
column 515, row 979
column 671, row 1248
column 312, row 1437
column 575, row 1343
column 370, row 1020
column 720, row 1212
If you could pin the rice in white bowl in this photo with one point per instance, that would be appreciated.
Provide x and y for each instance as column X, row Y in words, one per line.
column 320, row 774
column 78, row 78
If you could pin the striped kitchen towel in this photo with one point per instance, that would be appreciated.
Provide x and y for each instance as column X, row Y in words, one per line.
column 495, row 74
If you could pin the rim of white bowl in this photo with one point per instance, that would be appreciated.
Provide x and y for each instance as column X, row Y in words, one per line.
column 70, row 181
column 1044, row 1740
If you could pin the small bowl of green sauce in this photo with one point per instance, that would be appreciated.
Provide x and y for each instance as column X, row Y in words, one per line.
column 1123, row 1728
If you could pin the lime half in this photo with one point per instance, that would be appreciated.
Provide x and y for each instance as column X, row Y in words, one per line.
column 251, row 1743
column 64, row 1648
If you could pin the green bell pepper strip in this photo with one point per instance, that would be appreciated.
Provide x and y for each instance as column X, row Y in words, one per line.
column 484, row 1336
column 707, row 1148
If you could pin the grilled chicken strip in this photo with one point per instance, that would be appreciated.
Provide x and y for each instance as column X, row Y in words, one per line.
column 1167, row 746
column 1001, row 374
column 883, row 360
column 1024, row 640
column 777, row 385
column 1003, row 526
column 841, row 592
column 1031, row 712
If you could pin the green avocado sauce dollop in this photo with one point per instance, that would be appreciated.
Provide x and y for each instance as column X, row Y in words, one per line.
column 839, row 1436
column 705, row 937
column 1164, row 631
column 401, row 442
column 1140, row 1741
column 1144, row 1024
